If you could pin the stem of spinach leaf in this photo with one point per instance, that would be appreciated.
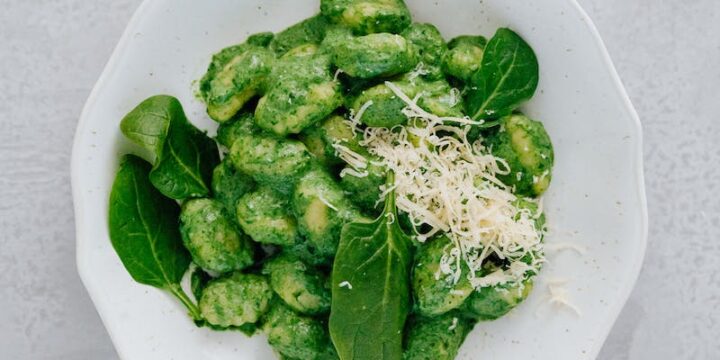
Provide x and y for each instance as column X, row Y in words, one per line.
column 193, row 310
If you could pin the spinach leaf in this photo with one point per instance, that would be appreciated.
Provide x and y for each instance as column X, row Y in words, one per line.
column 507, row 77
column 144, row 231
column 184, row 157
column 198, row 280
column 371, row 288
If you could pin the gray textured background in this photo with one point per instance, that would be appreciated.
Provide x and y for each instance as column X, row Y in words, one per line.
column 667, row 53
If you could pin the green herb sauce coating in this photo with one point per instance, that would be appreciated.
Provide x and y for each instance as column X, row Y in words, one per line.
column 261, row 39
column 271, row 161
column 526, row 147
column 302, row 287
column 297, row 337
column 436, row 295
column 308, row 31
column 322, row 209
column 313, row 140
column 464, row 56
column 437, row 97
column 365, row 191
column 492, row 302
column 213, row 239
column 320, row 139
column 302, row 92
column 228, row 185
column 431, row 47
column 235, row 75
column 265, row 215
column 368, row 16
column 436, row 338
column 375, row 55
column 235, row 300
column 386, row 107
column 241, row 125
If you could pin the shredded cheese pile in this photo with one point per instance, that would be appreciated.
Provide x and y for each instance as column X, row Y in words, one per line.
column 450, row 184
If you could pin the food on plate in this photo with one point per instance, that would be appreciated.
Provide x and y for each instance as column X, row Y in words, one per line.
column 183, row 157
column 464, row 56
column 372, row 192
column 265, row 215
column 269, row 160
column 436, row 338
column 368, row 16
column 296, row 336
column 302, row 287
column 375, row 55
column 212, row 237
column 322, row 209
column 526, row 146
column 228, row 185
column 300, row 92
column 235, row 300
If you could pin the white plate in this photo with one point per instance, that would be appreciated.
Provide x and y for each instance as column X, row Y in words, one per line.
column 596, row 201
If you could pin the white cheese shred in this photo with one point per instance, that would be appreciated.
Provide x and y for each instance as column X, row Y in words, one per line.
column 352, row 172
column 419, row 70
column 345, row 284
column 559, row 297
column 327, row 203
column 454, row 324
column 449, row 184
column 337, row 73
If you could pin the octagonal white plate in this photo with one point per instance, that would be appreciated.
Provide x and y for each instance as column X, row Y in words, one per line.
column 596, row 201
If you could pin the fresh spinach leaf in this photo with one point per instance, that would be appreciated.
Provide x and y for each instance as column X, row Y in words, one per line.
column 198, row 280
column 183, row 156
column 507, row 77
column 371, row 288
column 144, row 231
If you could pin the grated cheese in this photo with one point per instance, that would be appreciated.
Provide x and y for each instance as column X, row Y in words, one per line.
column 337, row 73
column 449, row 184
column 352, row 172
column 559, row 296
column 453, row 325
column 355, row 118
column 419, row 70
column 327, row 203
column 352, row 158
column 345, row 284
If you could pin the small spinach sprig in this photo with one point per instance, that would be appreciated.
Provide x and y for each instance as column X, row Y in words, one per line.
column 507, row 77
column 184, row 157
column 144, row 231
column 371, row 287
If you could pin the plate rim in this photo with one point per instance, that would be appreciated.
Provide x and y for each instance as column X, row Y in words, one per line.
column 639, row 174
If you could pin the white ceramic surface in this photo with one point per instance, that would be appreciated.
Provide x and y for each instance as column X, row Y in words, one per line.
column 596, row 201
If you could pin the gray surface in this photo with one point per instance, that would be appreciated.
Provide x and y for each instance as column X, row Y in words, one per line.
column 667, row 53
